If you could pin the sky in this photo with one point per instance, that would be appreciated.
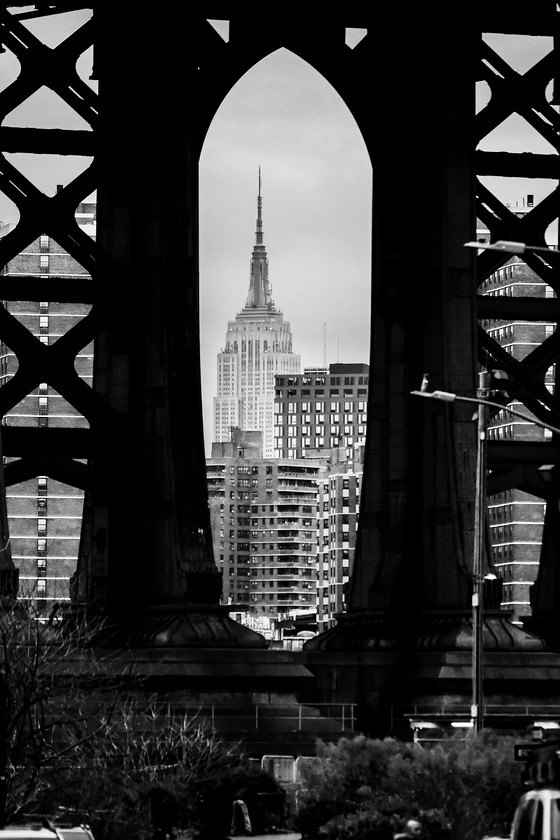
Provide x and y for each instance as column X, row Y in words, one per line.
column 283, row 117
column 316, row 190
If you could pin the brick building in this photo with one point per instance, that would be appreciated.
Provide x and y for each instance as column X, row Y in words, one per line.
column 516, row 518
column 44, row 515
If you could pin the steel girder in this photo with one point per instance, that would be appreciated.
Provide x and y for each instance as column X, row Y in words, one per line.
column 224, row 64
column 41, row 214
column 526, row 95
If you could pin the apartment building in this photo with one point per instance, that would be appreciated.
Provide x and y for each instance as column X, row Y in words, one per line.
column 338, row 508
column 284, row 530
column 321, row 409
column 44, row 515
column 263, row 514
column 516, row 518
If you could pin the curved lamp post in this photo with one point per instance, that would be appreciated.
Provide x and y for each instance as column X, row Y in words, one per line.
column 510, row 247
column 481, row 399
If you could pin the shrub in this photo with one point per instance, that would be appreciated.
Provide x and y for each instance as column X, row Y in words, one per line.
column 360, row 786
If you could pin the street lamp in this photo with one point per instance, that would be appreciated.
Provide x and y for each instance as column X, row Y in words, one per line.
column 510, row 247
column 481, row 399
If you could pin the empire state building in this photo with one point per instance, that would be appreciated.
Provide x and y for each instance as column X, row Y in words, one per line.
column 258, row 347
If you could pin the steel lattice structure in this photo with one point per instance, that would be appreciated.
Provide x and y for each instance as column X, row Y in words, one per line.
column 410, row 87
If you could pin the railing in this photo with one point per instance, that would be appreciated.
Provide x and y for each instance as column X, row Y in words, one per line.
column 462, row 711
column 256, row 715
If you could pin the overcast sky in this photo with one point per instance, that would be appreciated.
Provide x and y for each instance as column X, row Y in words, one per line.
column 316, row 187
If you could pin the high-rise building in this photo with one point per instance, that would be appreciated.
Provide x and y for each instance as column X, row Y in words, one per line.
column 263, row 514
column 338, row 508
column 44, row 515
column 284, row 530
column 321, row 409
column 258, row 347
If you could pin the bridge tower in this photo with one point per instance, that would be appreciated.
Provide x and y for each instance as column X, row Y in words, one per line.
column 146, row 556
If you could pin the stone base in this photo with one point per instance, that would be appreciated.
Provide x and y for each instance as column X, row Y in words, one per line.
column 199, row 661
column 429, row 672
column 165, row 626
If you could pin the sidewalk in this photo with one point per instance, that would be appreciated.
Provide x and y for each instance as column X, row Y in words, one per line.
column 289, row 835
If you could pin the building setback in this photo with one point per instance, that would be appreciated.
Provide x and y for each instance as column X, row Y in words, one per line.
column 44, row 515
column 258, row 347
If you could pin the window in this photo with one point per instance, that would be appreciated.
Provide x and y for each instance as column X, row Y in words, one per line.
column 41, row 545
column 41, row 525
column 42, row 485
column 43, row 324
column 44, row 243
column 44, row 262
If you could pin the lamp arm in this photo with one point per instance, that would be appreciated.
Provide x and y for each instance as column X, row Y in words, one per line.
column 447, row 396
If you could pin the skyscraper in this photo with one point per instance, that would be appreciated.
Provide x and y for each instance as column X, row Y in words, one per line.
column 258, row 347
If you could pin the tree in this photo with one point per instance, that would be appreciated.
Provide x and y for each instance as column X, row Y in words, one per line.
column 46, row 705
column 145, row 774
column 72, row 733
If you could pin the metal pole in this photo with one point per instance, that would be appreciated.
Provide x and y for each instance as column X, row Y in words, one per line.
column 3, row 747
column 477, row 710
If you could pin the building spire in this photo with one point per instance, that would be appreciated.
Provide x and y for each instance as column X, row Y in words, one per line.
column 260, row 293
column 259, row 234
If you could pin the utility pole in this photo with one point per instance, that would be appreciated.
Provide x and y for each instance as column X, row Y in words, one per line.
column 3, row 747
column 477, row 708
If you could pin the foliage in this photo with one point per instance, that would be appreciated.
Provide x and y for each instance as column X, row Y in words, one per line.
column 362, row 824
column 363, row 788
column 144, row 773
column 44, row 708
column 76, row 735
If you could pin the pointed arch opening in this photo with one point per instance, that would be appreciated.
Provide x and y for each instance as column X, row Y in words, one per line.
column 284, row 117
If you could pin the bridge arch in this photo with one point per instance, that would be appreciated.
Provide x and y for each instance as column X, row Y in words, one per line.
column 286, row 119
